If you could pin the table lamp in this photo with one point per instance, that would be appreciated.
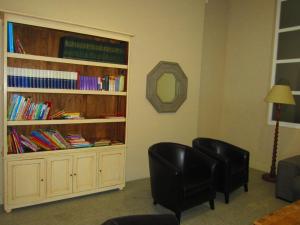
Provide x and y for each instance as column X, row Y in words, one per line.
column 279, row 94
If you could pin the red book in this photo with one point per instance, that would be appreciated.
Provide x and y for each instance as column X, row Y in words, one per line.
column 40, row 143
column 49, row 104
column 47, row 137
column 28, row 102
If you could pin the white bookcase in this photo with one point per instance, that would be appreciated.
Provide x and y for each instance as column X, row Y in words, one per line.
column 38, row 177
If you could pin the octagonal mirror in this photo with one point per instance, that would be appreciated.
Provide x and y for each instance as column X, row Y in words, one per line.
column 166, row 87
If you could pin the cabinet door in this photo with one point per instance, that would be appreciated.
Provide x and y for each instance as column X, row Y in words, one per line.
column 26, row 181
column 111, row 168
column 59, row 176
column 84, row 172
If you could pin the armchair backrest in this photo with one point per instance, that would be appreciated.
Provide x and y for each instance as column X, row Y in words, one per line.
column 217, row 146
column 172, row 152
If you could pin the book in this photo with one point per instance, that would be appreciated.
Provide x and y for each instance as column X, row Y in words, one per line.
column 121, row 83
column 102, row 142
column 15, row 108
column 57, row 115
column 10, row 37
column 38, row 135
column 19, row 46
column 40, row 143
column 28, row 143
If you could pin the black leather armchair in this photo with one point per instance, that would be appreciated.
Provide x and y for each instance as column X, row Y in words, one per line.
column 180, row 177
column 164, row 219
column 233, row 164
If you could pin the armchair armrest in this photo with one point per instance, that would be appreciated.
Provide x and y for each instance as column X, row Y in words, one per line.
column 205, row 161
column 237, row 152
column 166, row 179
column 169, row 167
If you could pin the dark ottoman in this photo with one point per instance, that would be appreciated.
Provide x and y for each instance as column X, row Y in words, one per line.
column 288, row 179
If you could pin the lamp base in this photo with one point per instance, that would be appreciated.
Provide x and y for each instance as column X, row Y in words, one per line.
column 268, row 177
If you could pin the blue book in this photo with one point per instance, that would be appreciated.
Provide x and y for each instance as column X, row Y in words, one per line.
column 13, row 102
column 15, row 109
column 23, row 81
column 10, row 38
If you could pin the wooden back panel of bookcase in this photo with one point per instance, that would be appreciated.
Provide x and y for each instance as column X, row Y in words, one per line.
column 43, row 41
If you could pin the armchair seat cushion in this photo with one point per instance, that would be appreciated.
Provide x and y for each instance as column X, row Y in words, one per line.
column 194, row 185
column 237, row 167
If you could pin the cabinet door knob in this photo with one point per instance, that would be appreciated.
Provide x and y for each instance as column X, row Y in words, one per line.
column 75, row 174
column 100, row 171
column 71, row 175
column 42, row 179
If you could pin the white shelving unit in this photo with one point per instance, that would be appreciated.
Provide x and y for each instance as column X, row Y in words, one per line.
column 45, row 176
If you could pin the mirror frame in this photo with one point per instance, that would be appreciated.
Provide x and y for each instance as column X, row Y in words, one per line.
column 181, row 92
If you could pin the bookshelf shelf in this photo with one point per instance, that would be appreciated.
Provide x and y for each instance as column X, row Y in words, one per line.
column 64, row 91
column 50, row 122
column 33, row 174
column 63, row 60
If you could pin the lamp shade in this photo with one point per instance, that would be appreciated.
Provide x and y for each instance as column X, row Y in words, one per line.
column 280, row 94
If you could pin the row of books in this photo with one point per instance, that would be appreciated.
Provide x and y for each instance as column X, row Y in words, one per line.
column 36, row 78
column 105, row 83
column 13, row 43
column 22, row 108
column 93, row 50
column 47, row 139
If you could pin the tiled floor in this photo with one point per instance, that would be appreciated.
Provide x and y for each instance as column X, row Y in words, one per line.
column 243, row 208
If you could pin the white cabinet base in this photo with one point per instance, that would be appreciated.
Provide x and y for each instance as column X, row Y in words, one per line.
column 51, row 178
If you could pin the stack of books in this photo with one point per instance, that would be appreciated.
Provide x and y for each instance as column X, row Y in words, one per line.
column 71, row 115
column 102, row 142
column 22, row 108
column 36, row 78
column 66, row 115
column 77, row 141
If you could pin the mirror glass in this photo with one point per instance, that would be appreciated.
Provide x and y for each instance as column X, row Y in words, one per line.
column 166, row 87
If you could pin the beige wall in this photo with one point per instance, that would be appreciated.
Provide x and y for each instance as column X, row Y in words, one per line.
column 168, row 30
column 213, row 68
column 248, row 59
